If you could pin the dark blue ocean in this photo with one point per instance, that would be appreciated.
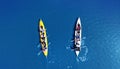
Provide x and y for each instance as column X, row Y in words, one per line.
column 19, row 35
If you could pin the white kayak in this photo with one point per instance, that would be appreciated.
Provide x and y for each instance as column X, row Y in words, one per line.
column 78, row 34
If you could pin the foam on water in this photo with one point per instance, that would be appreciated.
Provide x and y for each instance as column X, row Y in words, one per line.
column 38, row 46
column 38, row 54
column 83, row 53
column 69, row 67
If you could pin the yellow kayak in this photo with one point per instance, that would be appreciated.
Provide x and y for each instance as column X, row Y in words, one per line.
column 43, row 38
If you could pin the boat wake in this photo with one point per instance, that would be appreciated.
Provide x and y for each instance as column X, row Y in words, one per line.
column 69, row 67
column 40, row 51
column 38, row 54
column 51, row 59
column 83, row 53
column 38, row 46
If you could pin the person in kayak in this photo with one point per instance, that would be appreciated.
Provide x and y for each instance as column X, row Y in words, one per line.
column 42, row 33
column 77, row 35
column 43, row 45
column 42, row 36
column 76, row 47
column 41, row 29
column 78, row 27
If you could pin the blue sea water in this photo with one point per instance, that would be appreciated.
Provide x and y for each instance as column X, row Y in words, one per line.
column 19, row 35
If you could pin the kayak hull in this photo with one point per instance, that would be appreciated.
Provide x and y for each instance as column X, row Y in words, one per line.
column 78, row 47
column 45, row 51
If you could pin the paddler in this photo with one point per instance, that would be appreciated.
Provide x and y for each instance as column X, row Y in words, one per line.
column 42, row 37
column 41, row 29
column 78, row 27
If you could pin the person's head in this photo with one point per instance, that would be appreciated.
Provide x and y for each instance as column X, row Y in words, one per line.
column 43, row 33
column 77, row 43
column 44, row 43
column 41, row 42
column 40, row 31
column 41, row 27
